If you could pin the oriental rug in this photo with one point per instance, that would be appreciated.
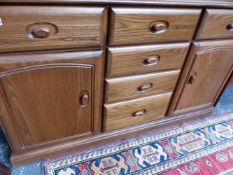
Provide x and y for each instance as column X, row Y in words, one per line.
column 199, row 147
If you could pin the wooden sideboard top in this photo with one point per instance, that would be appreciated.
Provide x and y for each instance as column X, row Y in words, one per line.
column 197, row 3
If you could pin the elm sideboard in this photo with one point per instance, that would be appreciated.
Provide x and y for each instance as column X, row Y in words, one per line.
column 80, row 73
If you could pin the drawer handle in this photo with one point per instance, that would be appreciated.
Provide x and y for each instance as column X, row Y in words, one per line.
column 1, row 23
column 41, row 30
column 41, row 33
column 84, row 98
column 145, row 87
column 139, row 113
column 151, row 61
column 192, row 79
column 159, row 27
column 229, row 27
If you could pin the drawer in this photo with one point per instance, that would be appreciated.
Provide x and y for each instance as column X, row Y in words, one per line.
column 145, row 59
column 124, row 88
column 216, row 24
column 148, row 25
column 133, row 112
column 43, row 28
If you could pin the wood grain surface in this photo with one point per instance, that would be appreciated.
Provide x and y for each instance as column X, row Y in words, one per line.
column 211, row 64
column 125, row 88
column 106, row 137
column 134, row 25
column 194, row 3
column 66, row 27
column 132, row 60
column 207, row 74
column 120, row 115
column 42, row 74
column 46, row 102
column 216, row 23
column 45, row 96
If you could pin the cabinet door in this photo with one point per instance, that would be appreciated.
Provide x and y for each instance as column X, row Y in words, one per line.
column 51, row 101
column 207, row 69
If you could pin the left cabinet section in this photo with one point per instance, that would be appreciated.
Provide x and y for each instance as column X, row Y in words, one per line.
column 50, row 98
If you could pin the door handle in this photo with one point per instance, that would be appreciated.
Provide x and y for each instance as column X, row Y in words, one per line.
column 192, row 78
column 84, row 98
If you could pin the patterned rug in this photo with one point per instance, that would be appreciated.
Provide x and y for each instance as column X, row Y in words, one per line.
column 198, row 147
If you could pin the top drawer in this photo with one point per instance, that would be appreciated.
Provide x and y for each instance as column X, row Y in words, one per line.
column 40, row 28
column 216, row 24
column 146, row 25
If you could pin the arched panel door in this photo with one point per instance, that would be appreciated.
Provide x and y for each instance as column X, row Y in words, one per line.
column 50, row 102
column 207, row 69
column 50, row 99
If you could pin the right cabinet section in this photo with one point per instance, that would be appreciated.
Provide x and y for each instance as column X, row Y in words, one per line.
column 205, row 73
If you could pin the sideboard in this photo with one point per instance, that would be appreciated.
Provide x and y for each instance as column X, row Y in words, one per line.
column 79, row 73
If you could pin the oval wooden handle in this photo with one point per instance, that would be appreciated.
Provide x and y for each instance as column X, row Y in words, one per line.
column 84, row 99
column 159, row 27
column 151, row 61
column 145, row 87
column 41, row 30
column 139, row 113
column 41, row 33
column 229, row 27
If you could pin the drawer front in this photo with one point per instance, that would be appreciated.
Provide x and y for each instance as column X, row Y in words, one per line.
column 133, row 112
column 145, row 59
column 35, row 28
column 148, row 25
column 216, row 24
column 125, row 88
